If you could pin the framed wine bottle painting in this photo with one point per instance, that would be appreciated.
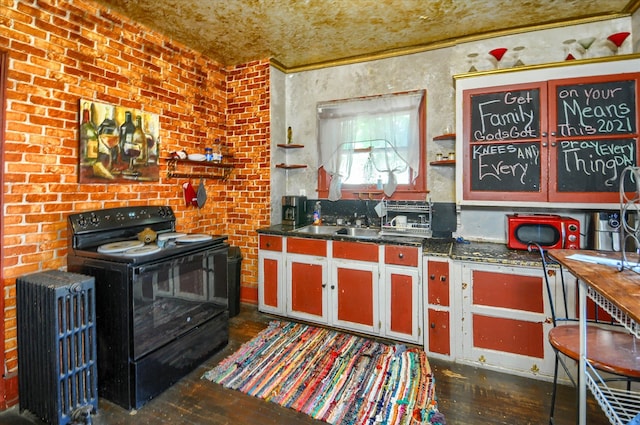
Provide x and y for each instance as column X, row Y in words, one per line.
column 117, row 144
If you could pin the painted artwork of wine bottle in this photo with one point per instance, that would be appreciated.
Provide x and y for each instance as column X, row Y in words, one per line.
column 122, row 148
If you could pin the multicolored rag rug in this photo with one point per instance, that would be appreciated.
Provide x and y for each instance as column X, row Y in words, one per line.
column 332, row 376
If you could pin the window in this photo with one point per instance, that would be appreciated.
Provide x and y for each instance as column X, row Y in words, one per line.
column 372, row 144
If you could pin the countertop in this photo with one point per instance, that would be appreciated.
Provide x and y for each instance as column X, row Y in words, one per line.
column 486, row 252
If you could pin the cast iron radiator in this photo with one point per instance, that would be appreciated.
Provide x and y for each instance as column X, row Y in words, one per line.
column 57, row 369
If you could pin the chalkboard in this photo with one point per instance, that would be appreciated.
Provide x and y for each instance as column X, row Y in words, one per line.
column 505, row 115
column 505, row 167
column 596, row 109
column 594, row 165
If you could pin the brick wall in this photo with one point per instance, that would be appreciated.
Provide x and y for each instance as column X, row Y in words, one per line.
column 63, row 50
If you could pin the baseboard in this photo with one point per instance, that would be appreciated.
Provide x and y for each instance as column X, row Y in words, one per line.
column 9, row 391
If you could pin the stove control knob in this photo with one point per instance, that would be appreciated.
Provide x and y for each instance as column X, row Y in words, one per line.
column 162, row 212
column 94, row 219
column 82, row 222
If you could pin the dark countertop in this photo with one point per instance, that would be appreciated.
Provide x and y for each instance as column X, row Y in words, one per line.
column 486, row 252
column 285, row 230
column 497, row 253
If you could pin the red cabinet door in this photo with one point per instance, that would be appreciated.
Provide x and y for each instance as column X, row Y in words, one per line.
column 402, row 315
column 271, row 284
column 439, row 335
column 513, row 332
column 355, row 295
column 438, row 282
column 271, row 275
column 307, row 288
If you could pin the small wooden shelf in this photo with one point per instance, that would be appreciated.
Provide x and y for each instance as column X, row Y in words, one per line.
column 173, row 163
column 290, row 166
column 448, row 136
column 290, row 146
column 444, row 162
column 202, row 163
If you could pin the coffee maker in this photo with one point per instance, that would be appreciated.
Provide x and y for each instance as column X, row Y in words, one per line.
column 294, row 210
column 604, row 231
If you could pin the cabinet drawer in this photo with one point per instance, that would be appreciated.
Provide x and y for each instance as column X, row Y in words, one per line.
column 271, row 243
column 355, row 251
column 401, row 255
column 439, row 336
column 307, row 246
column 438, row 282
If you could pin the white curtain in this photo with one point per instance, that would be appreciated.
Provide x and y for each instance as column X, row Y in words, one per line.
column 388, row 125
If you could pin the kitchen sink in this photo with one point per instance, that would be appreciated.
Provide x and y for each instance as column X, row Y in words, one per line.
column 319, row 230
column 359, row 232
column 353, row 232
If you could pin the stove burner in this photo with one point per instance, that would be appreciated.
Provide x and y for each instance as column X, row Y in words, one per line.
column 196, row 237
column 118, row 247
column 170, row 235
column 143, row 250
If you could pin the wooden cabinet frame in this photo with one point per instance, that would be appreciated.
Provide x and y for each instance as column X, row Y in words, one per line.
column 597, row 69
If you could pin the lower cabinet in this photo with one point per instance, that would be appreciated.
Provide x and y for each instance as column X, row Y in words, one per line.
column 271, row 293
column 402, row 287
column 358, row 286
column 479, row 313
column 307, row 279
column 353, row 287
column 438, row 295
column 506, row 318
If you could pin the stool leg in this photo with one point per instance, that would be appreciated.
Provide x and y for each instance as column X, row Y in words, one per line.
column 555, row 389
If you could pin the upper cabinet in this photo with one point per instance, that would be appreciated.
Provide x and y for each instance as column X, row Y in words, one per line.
column 549, row 140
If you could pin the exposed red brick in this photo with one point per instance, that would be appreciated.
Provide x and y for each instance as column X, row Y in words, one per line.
column 62, row 52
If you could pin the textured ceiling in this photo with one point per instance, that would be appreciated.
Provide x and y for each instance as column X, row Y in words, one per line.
column 304, row 33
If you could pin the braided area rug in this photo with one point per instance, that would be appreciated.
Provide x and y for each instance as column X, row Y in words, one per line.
column 332, row 376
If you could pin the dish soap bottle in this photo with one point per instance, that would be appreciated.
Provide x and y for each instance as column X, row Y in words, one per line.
column 317, row 219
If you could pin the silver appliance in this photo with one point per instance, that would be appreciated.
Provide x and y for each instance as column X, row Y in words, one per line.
column 604, row 232
column 294, row 210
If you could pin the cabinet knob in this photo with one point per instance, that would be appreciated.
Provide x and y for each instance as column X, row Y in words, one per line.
column 433, row 325
column 268, row 244
column 324, row 285
column 443, row 278
column 401, row 255
column 333, row 287
column 432, row 277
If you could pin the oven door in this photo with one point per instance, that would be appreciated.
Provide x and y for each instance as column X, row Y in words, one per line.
column 175, row 295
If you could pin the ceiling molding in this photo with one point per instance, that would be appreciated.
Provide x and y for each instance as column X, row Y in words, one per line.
column 444, row 44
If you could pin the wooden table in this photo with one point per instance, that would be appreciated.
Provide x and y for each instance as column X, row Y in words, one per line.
column 617, row 292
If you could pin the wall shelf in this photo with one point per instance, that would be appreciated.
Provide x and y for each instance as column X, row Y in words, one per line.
column 288, row 146
column 443, row 162
column 448, row 136
column 290, row 166
column 173, row 163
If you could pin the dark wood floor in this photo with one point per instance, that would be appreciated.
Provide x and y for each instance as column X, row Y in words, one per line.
column 466, row 395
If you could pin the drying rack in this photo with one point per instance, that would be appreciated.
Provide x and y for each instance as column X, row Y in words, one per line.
column 421, row 230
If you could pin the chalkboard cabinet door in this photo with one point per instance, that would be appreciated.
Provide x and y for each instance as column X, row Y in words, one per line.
column 554, row 141
column 505, row 144
column 594, row 136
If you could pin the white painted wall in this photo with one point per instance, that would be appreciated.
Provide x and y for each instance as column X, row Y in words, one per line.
column 433, row 71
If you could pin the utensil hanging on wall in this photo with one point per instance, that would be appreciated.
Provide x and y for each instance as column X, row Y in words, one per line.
column 201, row 196
column 189, row 194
